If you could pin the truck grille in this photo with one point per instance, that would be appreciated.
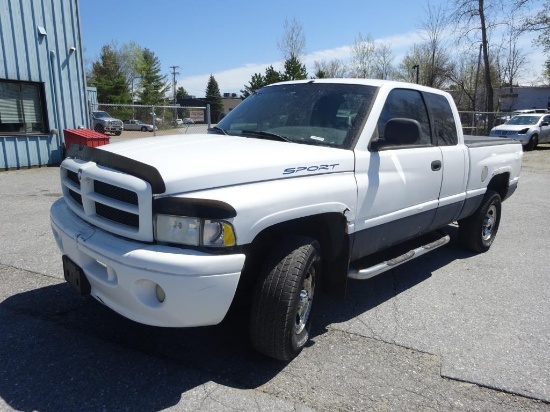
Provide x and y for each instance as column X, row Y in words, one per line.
column 109, row 199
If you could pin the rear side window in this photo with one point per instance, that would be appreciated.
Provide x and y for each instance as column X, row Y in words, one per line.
column 408, row 104
column 444, row 124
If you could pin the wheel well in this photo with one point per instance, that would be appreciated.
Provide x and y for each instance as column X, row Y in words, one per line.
column 329, row 229
column 499, row 184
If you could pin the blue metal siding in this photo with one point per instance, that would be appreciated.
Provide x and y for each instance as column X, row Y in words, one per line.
column 27, row 55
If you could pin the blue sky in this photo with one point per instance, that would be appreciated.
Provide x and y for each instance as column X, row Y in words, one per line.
column 233, row 40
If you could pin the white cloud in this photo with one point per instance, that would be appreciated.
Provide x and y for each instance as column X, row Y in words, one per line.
column 233, row 80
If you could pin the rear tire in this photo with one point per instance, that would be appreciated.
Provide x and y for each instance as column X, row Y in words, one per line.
column 281, row 309
column 477, row 232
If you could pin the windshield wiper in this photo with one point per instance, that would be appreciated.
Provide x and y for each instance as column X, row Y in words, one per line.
column 218, row 130
column 268, row 135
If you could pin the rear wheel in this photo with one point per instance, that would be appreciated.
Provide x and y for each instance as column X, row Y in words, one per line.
column 477, row 232
column 281, row 308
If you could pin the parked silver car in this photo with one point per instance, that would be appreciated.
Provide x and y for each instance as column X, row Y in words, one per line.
column 103, row 122
column 138, row 125
column 529, row 129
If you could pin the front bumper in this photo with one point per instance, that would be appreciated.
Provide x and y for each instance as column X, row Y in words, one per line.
column 124, row 274
column 522, row 138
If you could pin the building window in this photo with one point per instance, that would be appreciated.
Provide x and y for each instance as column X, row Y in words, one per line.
column 22, row 108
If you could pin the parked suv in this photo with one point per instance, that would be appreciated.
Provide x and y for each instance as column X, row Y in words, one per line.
column 104, row 123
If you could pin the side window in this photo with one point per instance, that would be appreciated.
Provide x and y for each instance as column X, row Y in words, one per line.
column 443, row 120
column 405, row 104
column 546, row 119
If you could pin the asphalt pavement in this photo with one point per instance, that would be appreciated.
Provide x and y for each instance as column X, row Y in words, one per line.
column 448, row 331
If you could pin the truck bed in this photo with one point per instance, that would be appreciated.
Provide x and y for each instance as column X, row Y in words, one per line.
column 477, row 141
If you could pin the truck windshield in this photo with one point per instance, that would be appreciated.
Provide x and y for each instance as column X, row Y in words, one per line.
column 309, row 113
column 101, row 115
column 524, row 120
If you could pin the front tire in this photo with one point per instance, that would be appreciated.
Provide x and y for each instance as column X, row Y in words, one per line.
column 143, row 129
column 477, row 232
column 99, row 128
column 533, row 142
column 281, row 308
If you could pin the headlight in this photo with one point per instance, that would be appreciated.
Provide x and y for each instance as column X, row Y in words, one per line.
column 193, row 231
column 523, row 131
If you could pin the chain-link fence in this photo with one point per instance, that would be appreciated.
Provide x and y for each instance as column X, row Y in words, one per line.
column 143, row 120
column 477, row 123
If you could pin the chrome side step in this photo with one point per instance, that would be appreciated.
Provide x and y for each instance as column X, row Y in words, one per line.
column 369, row 272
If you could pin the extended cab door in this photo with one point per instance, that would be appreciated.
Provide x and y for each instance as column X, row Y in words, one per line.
column 445, row 134
column 398, row 179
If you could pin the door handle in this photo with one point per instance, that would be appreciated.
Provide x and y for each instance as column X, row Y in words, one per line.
column 436, row 165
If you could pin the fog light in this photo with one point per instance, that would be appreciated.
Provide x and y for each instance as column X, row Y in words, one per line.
column 160, row 294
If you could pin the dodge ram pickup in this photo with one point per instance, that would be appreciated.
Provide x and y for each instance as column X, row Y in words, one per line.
column 302, row 186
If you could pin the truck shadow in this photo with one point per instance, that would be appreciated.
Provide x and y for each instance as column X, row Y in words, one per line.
column 59, row 351
column 364, row 295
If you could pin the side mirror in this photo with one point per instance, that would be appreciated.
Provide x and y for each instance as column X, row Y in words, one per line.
column 400, row 131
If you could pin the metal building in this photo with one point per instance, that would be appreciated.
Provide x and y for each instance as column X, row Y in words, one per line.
column 42, row 80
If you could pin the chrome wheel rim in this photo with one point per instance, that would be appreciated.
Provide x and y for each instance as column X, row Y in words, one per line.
column 489, row 223
column 305, row 301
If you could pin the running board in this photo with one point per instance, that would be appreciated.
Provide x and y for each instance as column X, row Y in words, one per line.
column 371, row 271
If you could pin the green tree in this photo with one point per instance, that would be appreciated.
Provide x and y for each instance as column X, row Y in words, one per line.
column 153, row 85
column 214, row 98
column 294, row 70
column 256, row 82
column 107, row 75
column 181, row 93
column 271, row 76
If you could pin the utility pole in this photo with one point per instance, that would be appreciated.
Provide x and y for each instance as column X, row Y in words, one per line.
column 417, row 67
column 174, row 73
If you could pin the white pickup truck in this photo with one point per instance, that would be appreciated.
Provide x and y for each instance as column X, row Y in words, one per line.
column 303, row 185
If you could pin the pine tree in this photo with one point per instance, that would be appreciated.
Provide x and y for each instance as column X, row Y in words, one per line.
column 271, row 76
column 153, row 85
column 256, row 82
column 214, row 98
column 181, row 93
column 294, row 69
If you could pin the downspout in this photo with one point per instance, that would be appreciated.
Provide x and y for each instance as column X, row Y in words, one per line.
column 55, row 130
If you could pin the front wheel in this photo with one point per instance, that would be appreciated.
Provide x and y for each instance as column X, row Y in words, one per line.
column 143, row 128
column 477, row 232
column 99, row 128
column 281, row 308
column 533, row 142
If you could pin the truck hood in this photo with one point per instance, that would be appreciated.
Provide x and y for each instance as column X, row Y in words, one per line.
column 515, row 127
column 194, row 162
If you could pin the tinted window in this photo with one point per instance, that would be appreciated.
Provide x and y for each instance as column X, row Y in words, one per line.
column 407, row 104
column 443, row 120
column 309, row 113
